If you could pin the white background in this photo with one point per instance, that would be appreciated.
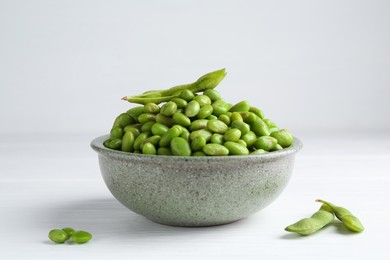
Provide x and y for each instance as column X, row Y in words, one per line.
column 319, row 68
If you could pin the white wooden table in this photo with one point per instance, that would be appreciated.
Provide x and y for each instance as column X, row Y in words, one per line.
column 49, row 182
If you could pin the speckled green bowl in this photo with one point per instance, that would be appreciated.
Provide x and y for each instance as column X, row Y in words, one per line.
column 195, row 191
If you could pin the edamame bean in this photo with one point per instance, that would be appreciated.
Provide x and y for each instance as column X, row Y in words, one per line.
column 217, row 139
column 217, row 126
column 148, row 148
column 165, row 120
column 198, row 143
column 202, row 100
column 81, row 237
column 187, row 95
column 151, row 108
column 259, row 151
column 243, row 127
column 212, row 94
column 205, row 111
column 266, row 143
column 123, row 120
column 349, row 220
column 69, row 231
column 128, row 142
column 117, row 132
column 192, row 108
column 58, row 236
column 181, row 119
column 249, row 117
column 269, row 123
column 220, row 107
column 198, row 124
column 257, row 111
column 185, row 134
column 215, row 150
column 284, row 137
column 277, row 148
column 140, row 140
column 232, row 135
column 249, row 138
column 199, row 153
column 159, row 129
column 180, row 103
column 168, row 109
column 260, row 128
column 147, row 127
column 236, row 117
column 210, row 117
column 114, row 144
column 164, row 151
column 201, row 132
column 131, row 128
column 155, row 140
column 242, row 142
column 317, row 221
column 146, row 117
column 236, row 149
column 180, row 147
column 135, row 112
column 225, row 118
column 174, row 131
column 242, row 106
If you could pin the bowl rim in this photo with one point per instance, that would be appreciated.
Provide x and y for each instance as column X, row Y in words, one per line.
column 97, row 145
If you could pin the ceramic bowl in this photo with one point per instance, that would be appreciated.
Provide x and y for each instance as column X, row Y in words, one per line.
column 195, row 191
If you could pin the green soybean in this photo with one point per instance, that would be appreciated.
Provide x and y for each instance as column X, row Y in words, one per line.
column 192, row 108
column 212, row 94
column 69, row 231
column 135, row 112
column 180, row 147
column 140, row 140
column 260, row 128
column 217, row 139
column 168, row 109
column 155, row 140
column 81, row 237
column 202, row 100
column 117, row 132
column 317, row 221
column 123, row 120
column 243, row 127
column 284, row 137
column 165, row 120
column 159, row 129
column 185, row 134
column 198, row 143
column 266, row 143
column 147, row 127
column 257, row 111
column 215, row 150
column 233, row 135
column 201, row 132
column 236, row 149
column 241, row 142
column 249, row 117
column 249, row 138
column 174, row 131
column 181, row 119
column 151, row 108
column 128, row 142
column 242, row 106
column 205, row 111
column 220, row 107
column 180, row 103
column 350, row 221
column 217, row 126
column 277, row 147
column 149, row 148
column 187, row 95
column 114, row 144
column 236, row 117
column 146, row 117
column 269, row 123
column 164, row 151
column 133, row 129
column 225, row 118
column 198, row 124
column 199, row 153
column 259, row 151
column 58, row 236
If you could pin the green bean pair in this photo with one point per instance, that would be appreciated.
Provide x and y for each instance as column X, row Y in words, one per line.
column 323, row 217
column 59, row 236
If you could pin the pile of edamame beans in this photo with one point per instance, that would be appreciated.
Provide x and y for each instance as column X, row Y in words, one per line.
column 194, row 120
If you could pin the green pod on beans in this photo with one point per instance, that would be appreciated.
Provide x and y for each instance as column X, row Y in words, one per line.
column 180, row 103
column 168, row 109
column 212, row 94
column 233, row 135
column 187, row 95
column 117, row 132
column 266, row 143
column 164, row 151
column 236, row 149
column 192, row 108
column 174, row 131
column 151, row 108
column 257, row 111
column 260, row 128
column 242, row 106
column 217, row 126
column 215, row 150
column 159, row 129
column 146, row 117
column 181, row 119
column 148, row 148
column 180, row 147
column 147, row 127
column 140, row 140
column 225, row 118
column 205, row 111
column 165, row 120
column 220, row 107
column 201, row 132
column 128, row 142
column 242, row 126
column 198, row 143
column 284, row 137
column 123, row 120
column 249, row 138
column 135, row 112
column 198, row 124
column 114, row 144
column 202, row 100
